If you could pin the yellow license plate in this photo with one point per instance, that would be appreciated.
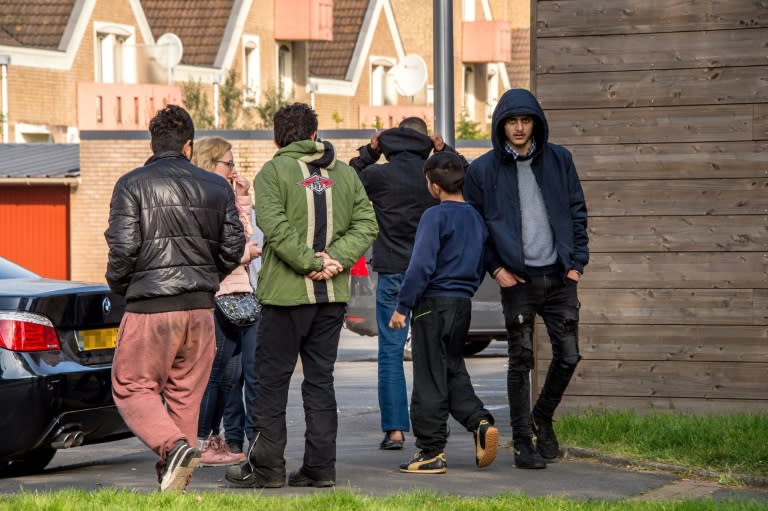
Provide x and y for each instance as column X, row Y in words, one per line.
column 101, row 339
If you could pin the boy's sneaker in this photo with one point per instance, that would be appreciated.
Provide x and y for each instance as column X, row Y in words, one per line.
column 526, row 455
column 299, row 479
column 486, row 440
column 180, row 462
column 421, row 464
column 546, row 440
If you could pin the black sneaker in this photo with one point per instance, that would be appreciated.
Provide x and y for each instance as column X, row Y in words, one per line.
column 243, row 475
column 486, row 440
column 180, row 462
column 526, row 455
column 299, row 479
column 546, row 440
column 421, row 464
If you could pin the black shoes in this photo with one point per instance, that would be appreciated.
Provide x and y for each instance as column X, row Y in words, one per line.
column 298, row 478
column 180, row 462
column 546, row 440
column 243, row 475
column 421, row 464
column 391, row 445
column 526, row 455
column 486, row 441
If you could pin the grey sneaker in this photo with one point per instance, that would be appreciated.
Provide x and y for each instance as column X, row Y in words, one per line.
column 180, row 462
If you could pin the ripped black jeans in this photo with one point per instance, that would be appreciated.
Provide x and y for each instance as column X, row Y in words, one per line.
column 555, row 300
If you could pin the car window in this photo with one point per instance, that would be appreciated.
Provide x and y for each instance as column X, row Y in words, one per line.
column 10, row 270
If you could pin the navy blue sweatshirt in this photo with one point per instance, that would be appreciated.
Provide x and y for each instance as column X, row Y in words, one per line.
column 448, row 255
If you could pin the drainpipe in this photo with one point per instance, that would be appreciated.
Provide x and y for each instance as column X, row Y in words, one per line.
column 4, row 61
column 216, row 101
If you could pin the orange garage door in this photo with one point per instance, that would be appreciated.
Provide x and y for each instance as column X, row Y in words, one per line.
column 34, row 222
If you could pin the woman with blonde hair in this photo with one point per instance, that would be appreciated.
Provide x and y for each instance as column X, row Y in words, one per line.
column 215, row 154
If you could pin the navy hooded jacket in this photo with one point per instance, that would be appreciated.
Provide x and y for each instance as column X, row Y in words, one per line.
column 491, row 186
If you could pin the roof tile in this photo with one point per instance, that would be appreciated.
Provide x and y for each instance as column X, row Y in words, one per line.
column 200, row 24
column 331, row 59
column 34, row 23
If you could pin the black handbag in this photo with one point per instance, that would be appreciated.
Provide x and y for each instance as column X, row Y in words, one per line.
column 240, row 309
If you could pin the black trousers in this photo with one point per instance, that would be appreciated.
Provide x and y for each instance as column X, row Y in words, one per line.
column 286, row 333
column 554, row 299
column 441, row 383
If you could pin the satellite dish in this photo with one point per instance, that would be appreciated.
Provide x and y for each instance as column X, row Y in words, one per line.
column 410, row 75
column 173, row 49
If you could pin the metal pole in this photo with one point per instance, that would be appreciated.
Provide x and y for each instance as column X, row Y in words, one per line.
column 443, row 72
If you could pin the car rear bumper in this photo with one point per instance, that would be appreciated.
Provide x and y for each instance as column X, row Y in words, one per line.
column 67, row 398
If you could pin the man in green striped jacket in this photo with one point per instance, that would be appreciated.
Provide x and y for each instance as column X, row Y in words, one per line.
column 317, row 221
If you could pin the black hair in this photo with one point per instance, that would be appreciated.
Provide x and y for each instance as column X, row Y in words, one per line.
column 171, row 128
column 415, row 123
column 446, row 170
column 293, row 123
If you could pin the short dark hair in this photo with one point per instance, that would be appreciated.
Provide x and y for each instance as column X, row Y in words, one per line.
column 293, row 123
column 415, row 123
column 171, row 128
column 446, row 170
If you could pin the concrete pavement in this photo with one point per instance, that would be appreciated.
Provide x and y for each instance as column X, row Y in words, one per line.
column 363, row 468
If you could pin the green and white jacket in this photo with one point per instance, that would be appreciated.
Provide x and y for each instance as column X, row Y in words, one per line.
column 307, row 202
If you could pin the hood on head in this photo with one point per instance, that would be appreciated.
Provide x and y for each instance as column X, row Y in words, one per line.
column 404, row 140
column 518, row 102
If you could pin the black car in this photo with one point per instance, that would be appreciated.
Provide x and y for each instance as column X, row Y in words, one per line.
column 57, row 340
column 487, row 316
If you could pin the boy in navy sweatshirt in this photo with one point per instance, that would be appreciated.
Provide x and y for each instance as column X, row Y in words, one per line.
column 445, row 270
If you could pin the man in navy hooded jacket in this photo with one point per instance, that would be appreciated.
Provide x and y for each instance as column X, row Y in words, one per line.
column 527, row 190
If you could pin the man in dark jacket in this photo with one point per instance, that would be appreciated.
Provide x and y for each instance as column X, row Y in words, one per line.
column 173, row 234
column 399, row 195
column 528, row 191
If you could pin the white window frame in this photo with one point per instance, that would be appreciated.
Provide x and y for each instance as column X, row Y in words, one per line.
column 118, row 41
column 468, row 10
column 285, row 68
column 251, row 70
column 492, row 91
column 383, row 90
column 468, row 84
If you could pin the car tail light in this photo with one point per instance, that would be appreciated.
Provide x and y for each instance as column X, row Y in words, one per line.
column 359, row 269
column 24, row 331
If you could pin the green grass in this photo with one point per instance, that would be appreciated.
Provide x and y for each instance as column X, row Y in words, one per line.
column 724, row 443
column 339, row 500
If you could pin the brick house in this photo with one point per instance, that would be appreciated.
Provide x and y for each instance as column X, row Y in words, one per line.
column 97, row 66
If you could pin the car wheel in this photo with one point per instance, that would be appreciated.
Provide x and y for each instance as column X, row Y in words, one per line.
column 32, row 463
column 475, row 347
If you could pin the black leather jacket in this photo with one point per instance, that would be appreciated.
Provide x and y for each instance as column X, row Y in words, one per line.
column 173, row 235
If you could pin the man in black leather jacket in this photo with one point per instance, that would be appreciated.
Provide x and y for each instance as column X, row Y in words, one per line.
column 173, row 234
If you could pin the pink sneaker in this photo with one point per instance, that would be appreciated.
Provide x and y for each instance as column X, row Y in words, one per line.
column 215, row 453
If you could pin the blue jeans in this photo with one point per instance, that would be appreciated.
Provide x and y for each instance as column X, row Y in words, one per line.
column 238, row 422
column 221, row 379
column 393, row 395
